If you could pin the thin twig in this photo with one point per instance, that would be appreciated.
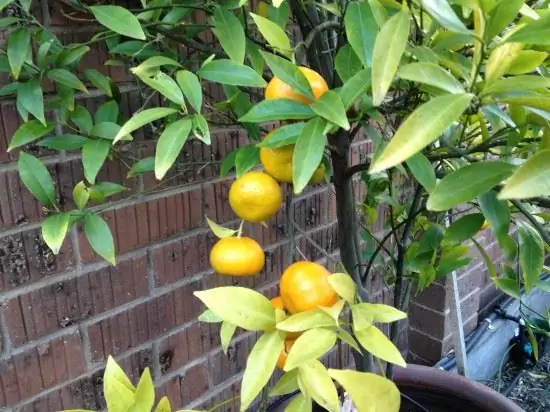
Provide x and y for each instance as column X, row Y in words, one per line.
column 326, row 25
column 543, row 233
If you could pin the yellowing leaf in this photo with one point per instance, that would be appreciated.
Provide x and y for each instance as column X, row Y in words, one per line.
column 319, row 385
column 241, row 306
column 421, row 128
column 382, row 394
column 375, row 342
column 362, row 317
column 306, row 320
column 219, row 230
column 299, row 403
column 346, row 337
column 163, row 405
column 501, row 59
column 287, row 384
column 209, row 317
column 382, row 313
column 344, row 285
column 259, row 366
column 118, row 390
column 145, row 391
column 530, row 180
column 227, row 331
column 334, row 310
column 310, row 345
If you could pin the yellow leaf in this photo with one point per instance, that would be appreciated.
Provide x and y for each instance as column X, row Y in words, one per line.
column 345, row 336
column 240, row 306
column 375, row 342
column 501, row 59
column 287, row 384
column 259, row 366
column 209, row 317
column 319, row 386
column 334, row 310
column 381, row 313
column 362, row 317
column 306, row 320
column 145, row 391
column 344, row 285
column 299, row 403
column 164, row 405
column 310, row 345
column 118, row 390
column 227, row 331
column 382, row 394
column 219, row 230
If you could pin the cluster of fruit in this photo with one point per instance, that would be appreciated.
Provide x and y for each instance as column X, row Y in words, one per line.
column 256, row 197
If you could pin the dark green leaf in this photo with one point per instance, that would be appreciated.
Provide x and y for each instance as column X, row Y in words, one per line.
column 230, row 33
column 105, row 130
column 501, row 16
column 143, row 166
column 99, row 235
column 8, row 21
column 66, row 78
column 28, row 133
column 202, row 131
column 277, row 109
column 535, row 32
column 283, row 136
column 10, row 88
column 141, row 119
column 431, row 74
column 508, row 286
column 496, row 212
column 36, row 178
column 246, row 158
column 354, row 87
column 255, row 57
column 29, row 96
column 108, row 188
column 288, row 73
column 71, row 55
column 464, row 228
column 169, row 145
column 191, row 87
column 347, row 63
column 228, row 163
column 99, row 81
column 82, row 119
column 308, row 153
column 94, row 154
column 19, row 45
column 279, row 14
column 64, row 142
column 531, row 255
column 467, row 183
column 330, row 107
column 431, row 239
column 119, row 20
column 361, row 30
column 54, row 229
column 225, row 71
column 487, row 259
column 423, row 171
column 441, row 11
column 107, row 112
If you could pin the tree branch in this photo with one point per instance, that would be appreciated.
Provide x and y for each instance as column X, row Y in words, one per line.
column 543, row 233
column 326, row 25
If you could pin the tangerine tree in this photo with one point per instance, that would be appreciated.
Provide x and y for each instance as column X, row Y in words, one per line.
column 453, row 94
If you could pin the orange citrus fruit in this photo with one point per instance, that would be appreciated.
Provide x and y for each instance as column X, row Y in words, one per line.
column 304, row 286
column 237, row 256
column 284, row 353
column 277, row 89
column 255, row 196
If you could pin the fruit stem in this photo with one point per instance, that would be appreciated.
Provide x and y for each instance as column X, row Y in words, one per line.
column 240, row 231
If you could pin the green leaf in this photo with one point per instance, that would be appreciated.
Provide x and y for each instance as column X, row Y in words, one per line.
column 501, row 16
column 29, row 95
column 308, row 153
column 107, row 113
column 517, row 84
column 508, row 286
column 347, row 63
column 464, row 228
column 376, row 312
column 169, row 145
column 66, row 78
column 496, row 212
column 105, row 130
column 343, row 285
column 431, row 74
column 530, row 179
column 375, row 342
column 361, row 30
column 141, row 119
column 71, row 55
column 310, row 345
column 287, row 384
column 63, row 142
column 487, row 259
column 149, row 66
column 388, row 48
column 118, row 390
column 94, row 154
column 119, row 20
column 228, row 163
column 535, row 32
column 538, row 101
column 256, row 60
column 423, row 171
column 81, row 195
column 36, row 178
column 274, row 34
column 241, row 306
column 306, row 320
column 163, row 405
column 54, row 229
column 319, row 385
column 4, row 3
column 442, row 12
column 108, row 188
column 283, row 136
column 289, row 74
column 526, row 61
column 82, row 119
column 260, row 365
column 145, row 391
column 209, row 317
column 201, row 131
column 230, row 33
column 277, row 109
column 28, row 133
column 300, row 403
column 531, row 255
column 382, row 395
column 346, row 337
column 421, row 128
column 143, row 166
column 225, row 71
column 19, row 45
column 246, row 158
column 227, row 331
column 240, row 104
column 99, row 81
column 467, row 183
column 100, row 238
column 191, row 87
column 330, row 107
column 166, row 86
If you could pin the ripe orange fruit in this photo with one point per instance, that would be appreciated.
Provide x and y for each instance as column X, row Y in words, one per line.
column 237, row 256
column 277, row 162
column 304, row 286
column 284, row 353
column 255, row 196
column 277, row 89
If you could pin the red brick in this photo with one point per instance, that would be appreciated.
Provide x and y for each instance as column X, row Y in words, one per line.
column 8, row 378
column 222, row 366
column 427, row 321
column 194, row 383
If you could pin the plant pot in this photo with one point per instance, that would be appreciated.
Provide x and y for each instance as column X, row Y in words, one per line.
column 439, row 391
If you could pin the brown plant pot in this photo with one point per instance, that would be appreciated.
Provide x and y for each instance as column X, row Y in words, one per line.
column 439, row 391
